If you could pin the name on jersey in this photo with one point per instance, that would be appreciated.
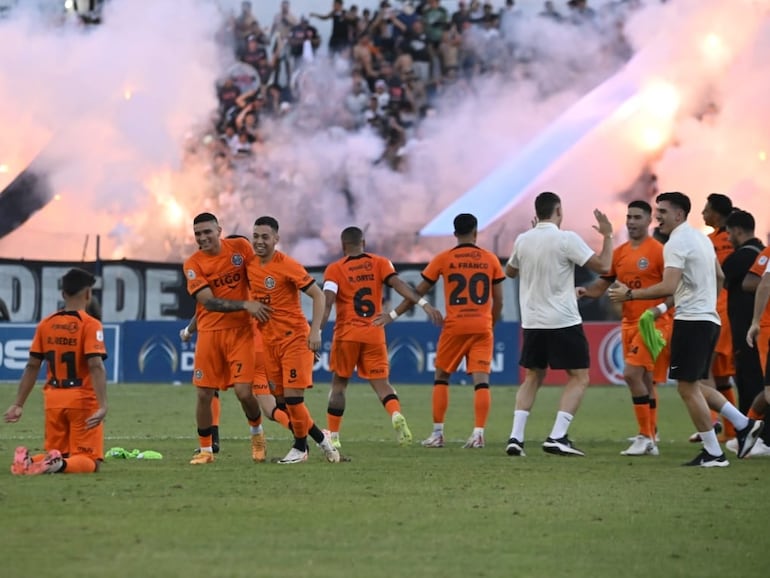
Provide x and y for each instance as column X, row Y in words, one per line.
column 230, row 279
column 463, row 265
column 365, row 266
column 68, row 341
column 68, row 327
column 360, row 278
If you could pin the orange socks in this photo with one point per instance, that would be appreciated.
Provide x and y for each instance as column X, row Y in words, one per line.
column 482, row 400
column 333, row 419
column 299, row 416
column 643, row 417
column 391, row 404
column 79, row 464
column 440, row 400
column 281, row 417
column 754, row 414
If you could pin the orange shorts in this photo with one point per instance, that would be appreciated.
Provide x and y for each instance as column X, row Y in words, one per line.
column 475, row 348
column 723, row 364
column 636, row 353
column 289, row 364
column 763, row 346
column 65, row 430
column 259, row 385
column 224, row 357
column 370, row 360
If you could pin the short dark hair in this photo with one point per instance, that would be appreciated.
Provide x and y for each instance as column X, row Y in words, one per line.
column 742, row 220
column 643, row 205
column 271, row 222
column 721, row 204
column 545, row 204
column 75, row 280
column 679, row 200
column 237, row 236
column 465, row 224
column 204, row 218
column 352, row 236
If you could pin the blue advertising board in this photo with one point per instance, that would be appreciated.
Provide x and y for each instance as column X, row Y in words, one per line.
column 16, row 338
column 153, row 352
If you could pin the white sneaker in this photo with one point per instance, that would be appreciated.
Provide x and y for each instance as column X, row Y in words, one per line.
column 657, row 437
column 732, row 445
column 642, row 446
column 332, row 454
column 334, row 437
column 294, row 456
column 760, row 449
column 475, row 441
column 435, row 440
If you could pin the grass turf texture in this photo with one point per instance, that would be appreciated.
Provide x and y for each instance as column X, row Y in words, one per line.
column 390, row 511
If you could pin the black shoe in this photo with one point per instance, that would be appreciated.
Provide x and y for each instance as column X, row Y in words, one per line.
column 515, row 448
column 706, row 460
column 561, row 447
column 748, row 436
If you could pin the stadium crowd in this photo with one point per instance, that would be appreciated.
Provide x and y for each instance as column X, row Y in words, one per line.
column 382, row 71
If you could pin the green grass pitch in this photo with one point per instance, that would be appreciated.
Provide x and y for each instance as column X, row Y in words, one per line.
column 389, row 511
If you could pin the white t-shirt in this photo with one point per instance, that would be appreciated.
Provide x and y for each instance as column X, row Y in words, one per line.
column 696, row 295
column 546, row 257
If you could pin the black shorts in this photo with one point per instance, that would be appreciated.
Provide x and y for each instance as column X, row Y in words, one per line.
column 692, row 347
column 563, row 348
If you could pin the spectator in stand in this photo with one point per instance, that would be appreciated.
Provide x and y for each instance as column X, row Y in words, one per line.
column 339, row 41
column 298, row 36
column 436, row 19
column 461, row 16
column 357, row 100
column 245, row 25
column 382, row 95
column 365, row 56
column 418, row 47
column 254, row 52
column 227, row 94
column 550, row 12
column 283, row 21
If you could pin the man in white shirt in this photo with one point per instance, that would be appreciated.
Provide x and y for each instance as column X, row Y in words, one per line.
column 693, row 276
column 544, row 259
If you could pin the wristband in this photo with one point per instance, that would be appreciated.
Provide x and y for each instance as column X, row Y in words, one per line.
column 662, row 307
column 393, row 315
column 422, row 302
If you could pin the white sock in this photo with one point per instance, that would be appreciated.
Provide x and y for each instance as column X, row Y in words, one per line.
column 519, row 424
column 730, row 412
column 438, row 428
column 255, row 429
column 478, row 431
column 710, row 442
column 208, row 449
column 561, row 425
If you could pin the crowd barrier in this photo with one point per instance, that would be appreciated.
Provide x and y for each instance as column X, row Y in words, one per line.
column 151, row 352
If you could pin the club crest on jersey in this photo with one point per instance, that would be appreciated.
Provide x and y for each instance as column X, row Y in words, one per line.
column 198, row 374
column 269, row 282
column 237, row 260
column 190, row 274
column 643, row 263
column 763, row 260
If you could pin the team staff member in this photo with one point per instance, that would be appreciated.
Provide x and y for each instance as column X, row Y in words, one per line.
column 275, row 280
column 75, row 393
column 693, row 276
column 224, row 354
column 473, row 298
column 638, row 263
column 544, row 259
column 354, row 285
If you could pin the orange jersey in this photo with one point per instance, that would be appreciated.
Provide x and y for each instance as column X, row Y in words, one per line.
column 723, row 248
column 468, row 273
column 66, row 340
column 225, row 275
column 758, row 268
column 278, row 284
column 258, row 345
column 358, row 282
column 637, row 267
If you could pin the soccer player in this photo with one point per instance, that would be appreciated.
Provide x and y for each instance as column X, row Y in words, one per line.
column 638, row 263
column 224, row 354
column 276, row 280
column 693, row 276
column 75, row 394
column 718, row 207
column 473, row 298
column 260, row 388
column 354, row 285
column 544, row 259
